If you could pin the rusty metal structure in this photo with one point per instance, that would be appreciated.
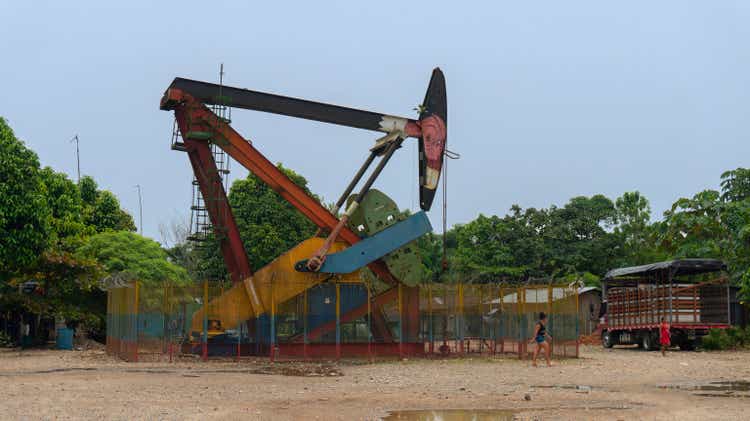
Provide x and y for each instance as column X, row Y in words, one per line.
column 203, row 130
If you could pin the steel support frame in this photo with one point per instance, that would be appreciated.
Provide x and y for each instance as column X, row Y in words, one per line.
column 215, row 199
column 195, row 117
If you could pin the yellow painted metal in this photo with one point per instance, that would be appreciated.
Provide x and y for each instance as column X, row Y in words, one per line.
column 460, row 299
column 234, row 306
column 137, row 290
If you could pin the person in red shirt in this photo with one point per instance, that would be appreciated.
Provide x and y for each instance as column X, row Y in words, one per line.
column 664, row 336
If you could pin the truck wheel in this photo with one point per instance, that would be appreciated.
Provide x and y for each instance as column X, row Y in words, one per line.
column 607, row 339
column 648, row 341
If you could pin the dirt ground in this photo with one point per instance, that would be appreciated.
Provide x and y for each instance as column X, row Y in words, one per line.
column 604, row 384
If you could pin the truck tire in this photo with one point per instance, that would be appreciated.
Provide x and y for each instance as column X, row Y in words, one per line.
column 607, row 339
column 648, row 341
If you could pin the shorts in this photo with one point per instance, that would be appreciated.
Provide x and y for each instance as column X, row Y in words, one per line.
column 539, row 339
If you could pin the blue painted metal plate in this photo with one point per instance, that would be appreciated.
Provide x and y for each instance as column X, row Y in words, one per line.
column 374, row 247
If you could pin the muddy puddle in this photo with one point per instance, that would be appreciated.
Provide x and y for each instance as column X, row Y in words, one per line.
column 577, row 387
column 719, row 389
column 452, row 415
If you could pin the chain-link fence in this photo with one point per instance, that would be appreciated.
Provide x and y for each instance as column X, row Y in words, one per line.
column 335, row 318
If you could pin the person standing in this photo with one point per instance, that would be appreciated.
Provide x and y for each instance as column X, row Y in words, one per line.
column 664, row 336
column 540, row 337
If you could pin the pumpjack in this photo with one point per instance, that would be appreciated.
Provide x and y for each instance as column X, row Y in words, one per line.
column 370, row 234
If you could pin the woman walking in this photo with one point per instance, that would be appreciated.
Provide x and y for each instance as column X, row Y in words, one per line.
column 540, row 336
column 664, row 336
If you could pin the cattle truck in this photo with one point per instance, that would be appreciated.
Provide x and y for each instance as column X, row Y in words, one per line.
column 691, row 294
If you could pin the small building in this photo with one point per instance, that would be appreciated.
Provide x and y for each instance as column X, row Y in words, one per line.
column 589, row 307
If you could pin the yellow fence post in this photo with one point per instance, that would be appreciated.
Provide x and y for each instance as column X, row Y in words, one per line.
column 550, row 316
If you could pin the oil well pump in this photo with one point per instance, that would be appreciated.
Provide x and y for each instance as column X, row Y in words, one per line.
column 371, row 232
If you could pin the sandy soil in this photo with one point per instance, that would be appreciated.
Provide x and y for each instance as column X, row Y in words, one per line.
column 603, row 384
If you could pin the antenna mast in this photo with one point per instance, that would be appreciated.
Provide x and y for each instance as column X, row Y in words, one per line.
column 78, row 157
column 140, row 206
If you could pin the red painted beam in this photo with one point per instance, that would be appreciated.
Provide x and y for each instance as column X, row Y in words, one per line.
column 217, row 206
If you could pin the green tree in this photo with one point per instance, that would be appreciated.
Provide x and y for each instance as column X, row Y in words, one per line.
column 572, row 242
column 633, row 215
column 638, row 235
column 578, row 237
column 268, row 225
column 107, row 214
column 735, row 185
column 66, row 287
column 430, row 249
column 67, row 282
column 693, row 227
column 101, row 208
column 711, row 225
column 493, row 248
column 89, row 190
column 24, row 214
column 64, row 201
column 128, row 256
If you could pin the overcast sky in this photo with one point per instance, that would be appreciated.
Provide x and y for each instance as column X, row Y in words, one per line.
column 546, row 100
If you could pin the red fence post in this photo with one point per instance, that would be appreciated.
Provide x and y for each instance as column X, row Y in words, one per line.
column 204, row 345
column 135, row 355
column 338, row 321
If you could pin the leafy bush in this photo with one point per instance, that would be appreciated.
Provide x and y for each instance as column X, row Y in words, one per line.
column 731, row 338
column 736, row 337
column 716, row 339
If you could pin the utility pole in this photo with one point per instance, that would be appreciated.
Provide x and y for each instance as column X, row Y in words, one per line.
column 140, row 206
column 78, row 157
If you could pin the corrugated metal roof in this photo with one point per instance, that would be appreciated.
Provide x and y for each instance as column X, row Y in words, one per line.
column 584, row 290
column 535, row 296
column 681, row 266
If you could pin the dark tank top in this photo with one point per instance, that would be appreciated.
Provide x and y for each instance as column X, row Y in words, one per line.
column 542, row 329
